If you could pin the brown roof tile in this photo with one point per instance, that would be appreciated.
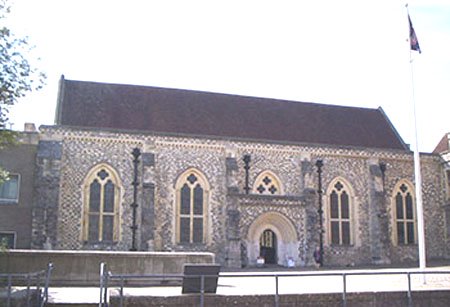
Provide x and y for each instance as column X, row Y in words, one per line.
column 131, row 107
column 443, row 145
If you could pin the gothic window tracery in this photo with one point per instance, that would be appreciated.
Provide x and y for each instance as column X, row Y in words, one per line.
column 404, row 214
column 339, row 213
column 267, row 184
column 191, row 208
column 101, row 205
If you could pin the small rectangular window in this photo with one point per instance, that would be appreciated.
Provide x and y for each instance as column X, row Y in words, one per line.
column 185, row 207
column 400, row 233
column 399, row 206
column 410, row 239
column 185, row 233
column 345, row 212
column 198, row 200
column 409, row 207
column 9, row 190
column 335, row 233
column 108, row 197
column 93, row 235
column 345, row 233
column 108, row 228
column 94, row 196
column 198, row 230
column 7, row 240
column 334, row 203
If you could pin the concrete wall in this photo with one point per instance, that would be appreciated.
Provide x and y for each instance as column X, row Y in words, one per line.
column 20, row 298
column 366, row 299
column 83, row 267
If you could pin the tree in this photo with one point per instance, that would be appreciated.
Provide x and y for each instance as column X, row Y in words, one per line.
column 17, row 76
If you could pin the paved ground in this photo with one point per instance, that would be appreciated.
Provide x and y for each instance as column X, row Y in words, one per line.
column 235, row 283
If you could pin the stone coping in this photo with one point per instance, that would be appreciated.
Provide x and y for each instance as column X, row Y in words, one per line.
column 103, row 252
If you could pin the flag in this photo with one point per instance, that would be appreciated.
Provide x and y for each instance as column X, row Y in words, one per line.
column 413, row 38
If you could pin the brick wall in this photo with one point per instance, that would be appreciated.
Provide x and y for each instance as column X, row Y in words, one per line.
column 381, row 299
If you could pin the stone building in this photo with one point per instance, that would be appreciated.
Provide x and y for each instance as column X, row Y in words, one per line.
column 16, row 193
column 232, row 175
column 443, row 149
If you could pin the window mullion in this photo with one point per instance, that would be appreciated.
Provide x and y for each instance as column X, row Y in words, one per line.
column 405, row 231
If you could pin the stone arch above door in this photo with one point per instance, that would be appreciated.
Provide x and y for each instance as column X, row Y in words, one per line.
column 287, row 240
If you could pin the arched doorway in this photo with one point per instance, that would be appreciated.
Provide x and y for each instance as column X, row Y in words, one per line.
column 272, row 236
column 268, row 246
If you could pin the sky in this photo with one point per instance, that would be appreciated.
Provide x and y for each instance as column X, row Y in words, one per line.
column 348, row 52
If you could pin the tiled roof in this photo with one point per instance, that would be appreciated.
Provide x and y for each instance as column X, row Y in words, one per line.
column 153, row 109
column 443, row 145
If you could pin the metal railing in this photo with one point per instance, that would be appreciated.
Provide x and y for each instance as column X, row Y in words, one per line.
column 107, row 279
column 34, row 284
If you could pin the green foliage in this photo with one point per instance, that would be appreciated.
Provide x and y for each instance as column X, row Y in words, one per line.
column 7, row 138
column 4, row 174
column 3, row 245
column 17, row 76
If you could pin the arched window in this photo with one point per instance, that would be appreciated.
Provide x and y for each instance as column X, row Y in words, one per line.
column 101, row 205
column 404, row 214
column 339, row 213
column 267, row 183
column 192, row 207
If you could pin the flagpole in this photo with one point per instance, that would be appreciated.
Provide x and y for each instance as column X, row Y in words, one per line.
column 417, row 172
column 418, row 187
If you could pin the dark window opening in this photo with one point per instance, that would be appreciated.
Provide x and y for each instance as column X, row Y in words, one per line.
column 7, row 240
column 9, row 189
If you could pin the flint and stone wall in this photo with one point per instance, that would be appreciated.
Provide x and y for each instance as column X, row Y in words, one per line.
column 46, row 194
column 231, row 212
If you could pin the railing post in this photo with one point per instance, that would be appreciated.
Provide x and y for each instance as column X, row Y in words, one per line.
column 8, row 299
column 202, row 290
column 121, row 291
column 106, row 285
column 344, row 290
column 102, row 279
column 47, row 284
column 38, row 288
column 409, row 290
column 28, row 289
column 277, row 303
